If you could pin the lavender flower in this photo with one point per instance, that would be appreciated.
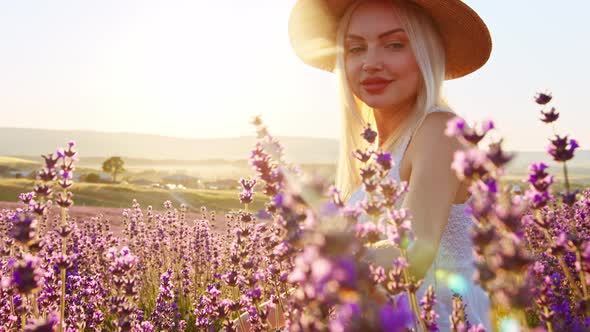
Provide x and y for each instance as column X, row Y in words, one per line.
column 562, row 149
column 384, row 160
column 497, row 156
column 362, row 156
column 542, row 98
column 456, row 127
column 248, row 185
column 44, row 325
column 549, row 116
column 396, row 317
column 26, row 276
column 24, row 228
column 470, row 164
column 369, row 134
column 538, row 178
column 427, row 313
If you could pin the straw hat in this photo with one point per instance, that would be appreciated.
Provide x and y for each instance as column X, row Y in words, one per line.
column 467, row 41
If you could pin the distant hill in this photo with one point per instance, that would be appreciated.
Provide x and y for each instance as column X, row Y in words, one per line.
column 144, row 149
column 33, row 142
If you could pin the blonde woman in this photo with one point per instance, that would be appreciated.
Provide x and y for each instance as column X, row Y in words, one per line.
column 391, row 58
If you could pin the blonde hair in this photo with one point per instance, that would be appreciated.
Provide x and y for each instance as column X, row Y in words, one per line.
column 429, row 51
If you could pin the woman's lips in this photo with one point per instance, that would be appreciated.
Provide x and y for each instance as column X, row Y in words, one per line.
column 375, row 87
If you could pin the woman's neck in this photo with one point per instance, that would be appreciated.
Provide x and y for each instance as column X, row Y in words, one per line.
column 389, row 120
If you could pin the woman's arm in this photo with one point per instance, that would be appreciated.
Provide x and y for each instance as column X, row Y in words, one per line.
column 431, row 192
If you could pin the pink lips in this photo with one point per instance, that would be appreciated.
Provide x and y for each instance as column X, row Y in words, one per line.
column 374, row 85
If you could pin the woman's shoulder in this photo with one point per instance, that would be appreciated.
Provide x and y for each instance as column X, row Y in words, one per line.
column 429, row 139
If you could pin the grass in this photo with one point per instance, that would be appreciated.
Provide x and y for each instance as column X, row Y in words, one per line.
column 121, row 196
column 18, row 163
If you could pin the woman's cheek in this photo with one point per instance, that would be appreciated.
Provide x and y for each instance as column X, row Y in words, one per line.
column 352, row 74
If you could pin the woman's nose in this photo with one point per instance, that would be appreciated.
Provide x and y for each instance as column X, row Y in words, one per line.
column 373, row 61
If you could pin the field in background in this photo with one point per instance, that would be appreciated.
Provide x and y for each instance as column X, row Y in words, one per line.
column 121, row 196
column 224, row 174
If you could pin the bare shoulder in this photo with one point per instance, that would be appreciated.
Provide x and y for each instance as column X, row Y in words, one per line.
column 430, row 141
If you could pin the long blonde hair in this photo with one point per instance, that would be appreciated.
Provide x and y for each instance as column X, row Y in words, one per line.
column 429, row 51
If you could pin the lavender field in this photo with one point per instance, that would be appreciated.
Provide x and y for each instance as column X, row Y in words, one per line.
column 299, row 259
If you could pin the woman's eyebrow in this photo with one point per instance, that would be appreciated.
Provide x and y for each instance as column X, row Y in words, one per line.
column 386, row 33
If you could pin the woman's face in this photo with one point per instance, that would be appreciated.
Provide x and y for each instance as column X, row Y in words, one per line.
column 380, row 66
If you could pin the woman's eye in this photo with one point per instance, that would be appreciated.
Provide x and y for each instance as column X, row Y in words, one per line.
column 395, row 45
column 355, row 49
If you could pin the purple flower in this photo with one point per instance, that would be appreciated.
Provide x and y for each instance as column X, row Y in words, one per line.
column 427, row 313
column 168, row 204
column 398, row 316
column 543, row 98
column 561, row 149
column 510, row 214
column 42, row 190
column 368, row 231
column 246, row 197
column 26, row 198
column 24, row 227
column 384, row 160
column 538, row 178
column 345, row 315
column 484, row 194
column 369, row 134
column 537, row 199
column 497, row 156
column 44, row 325
column 458, row 316
column 248, row 185
column 470, row 164
column 478, row 328
column 65, row 201
column 46, row 175
column 345, row 272
column 457, row 127
column 487, row 125
column 50, row 161
column 26, row 275
column 569, row 198
column 549, row 116
column 362, row 156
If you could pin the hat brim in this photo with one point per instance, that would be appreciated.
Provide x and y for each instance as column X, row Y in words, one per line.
column 466, row 38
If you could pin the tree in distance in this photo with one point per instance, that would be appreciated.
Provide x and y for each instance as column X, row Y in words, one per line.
column 92, row 178
column 113, row 165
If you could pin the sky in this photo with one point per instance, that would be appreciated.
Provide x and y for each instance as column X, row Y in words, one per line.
column 199, row 69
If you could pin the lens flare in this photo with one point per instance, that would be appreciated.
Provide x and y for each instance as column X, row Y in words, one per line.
column 509, row 324
column 456, row 282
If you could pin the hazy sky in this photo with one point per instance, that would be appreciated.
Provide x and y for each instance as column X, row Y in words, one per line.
column 203, row 68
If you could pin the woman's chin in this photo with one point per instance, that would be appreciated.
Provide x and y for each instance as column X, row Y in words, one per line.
column 376, row 102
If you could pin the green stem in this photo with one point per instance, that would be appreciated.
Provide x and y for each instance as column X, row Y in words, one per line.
column 62, row 308
column 567, row 182
column 235, row 291
column 582, row 275
column 549, row 327
column 280, row 301
column 412, row 296
column 35, row 306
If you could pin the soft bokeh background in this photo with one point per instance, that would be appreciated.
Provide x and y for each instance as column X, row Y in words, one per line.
column 203, row 68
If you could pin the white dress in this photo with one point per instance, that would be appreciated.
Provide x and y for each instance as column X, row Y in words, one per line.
column 453, row 264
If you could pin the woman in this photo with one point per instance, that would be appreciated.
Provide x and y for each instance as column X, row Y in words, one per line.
column 391, row 58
